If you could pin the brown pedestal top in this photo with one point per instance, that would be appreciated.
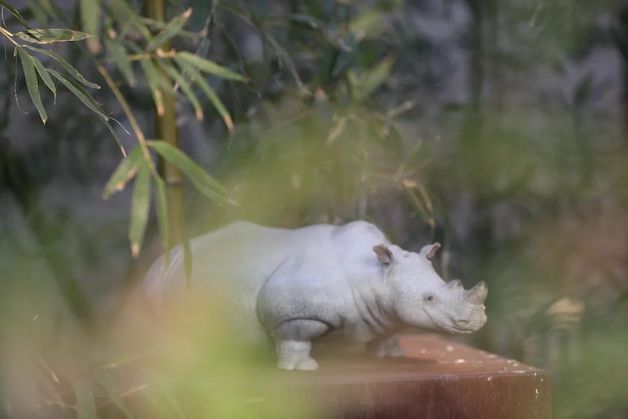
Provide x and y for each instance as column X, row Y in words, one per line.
column 437, row 379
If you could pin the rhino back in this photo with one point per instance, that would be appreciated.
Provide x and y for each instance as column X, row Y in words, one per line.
column 313, row 267
column 238, row 256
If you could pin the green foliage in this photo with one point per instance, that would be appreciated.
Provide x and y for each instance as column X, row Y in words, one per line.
column 125, row 171
column 162, row 216
column 30, row 76
column 208, row 66
column 205, row 184
column 171, row 30
column 51, row 36
column 325, row 112
column 196, row 77
column 163, row 71
column 66, row 66
column 90, row 15
column 140, row 204
column 14, row 12
column 121, row 59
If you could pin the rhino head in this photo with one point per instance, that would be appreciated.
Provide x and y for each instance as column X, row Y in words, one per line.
column 421, row 298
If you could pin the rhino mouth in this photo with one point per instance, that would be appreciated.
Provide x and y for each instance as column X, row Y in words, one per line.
column 461, row 329
column 449, row 326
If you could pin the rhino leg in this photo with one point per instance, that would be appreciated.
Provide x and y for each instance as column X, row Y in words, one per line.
column 385, row 347
column 293, row 343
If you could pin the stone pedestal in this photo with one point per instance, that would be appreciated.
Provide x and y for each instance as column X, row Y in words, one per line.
column 437, row 379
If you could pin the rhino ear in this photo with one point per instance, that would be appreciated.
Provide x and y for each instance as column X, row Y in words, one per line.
column 430, row 250
column 384, row 254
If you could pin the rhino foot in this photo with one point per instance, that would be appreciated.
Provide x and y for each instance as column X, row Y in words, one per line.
column 295, row 355
column 307, row 365
column 386, row 348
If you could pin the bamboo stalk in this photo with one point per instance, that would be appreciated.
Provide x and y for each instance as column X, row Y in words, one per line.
column 166, row 130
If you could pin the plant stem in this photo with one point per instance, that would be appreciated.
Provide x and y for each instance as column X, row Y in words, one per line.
column 135, row 126
column 166, row 130
column 9, row 36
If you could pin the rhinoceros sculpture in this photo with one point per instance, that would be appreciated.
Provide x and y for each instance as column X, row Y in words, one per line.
column 298, row 285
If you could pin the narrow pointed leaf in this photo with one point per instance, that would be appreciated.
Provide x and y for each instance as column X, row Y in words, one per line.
column 171, row 30
column 374, row 78
column 66, row 65
column 156, row 83
column 140, row 204
column 114, row 134
column 162, row 216
column 198, row 78
column 90, row 15
column 41, row 70
column 51, row 36
column 48, row 9
column 80, row 93
column 119, row 55
column 16, row 13
column 38, row 13
column 205, row 183
column 210, row 67
column 187, row 90
column 125, row 171
column 127, row 17
column 30, row 75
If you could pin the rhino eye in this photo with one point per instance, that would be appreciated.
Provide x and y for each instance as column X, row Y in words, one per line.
column 429, row 298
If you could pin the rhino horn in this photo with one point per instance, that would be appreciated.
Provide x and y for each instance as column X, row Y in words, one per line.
column 477, row 294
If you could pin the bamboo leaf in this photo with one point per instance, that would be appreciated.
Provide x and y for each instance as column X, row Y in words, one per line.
column 127, row 17
column 205, row 183
column 156, row 82
column 81, row 94
column 85, row 405
column 32, row 85
column 87, row 99
column 47, row 9
column 187, row 90
column 114, row 135
column 90, row 15
column 51, row 36
column 41, row 70
column 378, row 75
column 162, row 217
column 16, row 13
column 369, row 23
column 125, row 171
column 171, row 30
column 38, row 13
column 209, row 66
column 198, row 78
column 66, row 65
column 140, row 204
column 119, row 55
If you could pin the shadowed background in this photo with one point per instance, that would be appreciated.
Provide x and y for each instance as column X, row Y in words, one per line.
column 495, row 127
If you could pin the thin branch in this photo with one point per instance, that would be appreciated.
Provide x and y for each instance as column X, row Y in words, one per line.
column 135, row 126
column 9, row 36
column 158, row 54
